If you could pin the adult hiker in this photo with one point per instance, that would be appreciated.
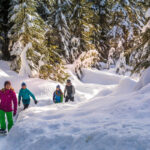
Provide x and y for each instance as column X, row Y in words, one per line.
column 7, row 97
column 69, row 91
column 58, row 95
column 24, row 95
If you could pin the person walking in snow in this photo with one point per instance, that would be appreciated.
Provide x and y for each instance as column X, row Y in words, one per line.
column 69, row 91
column 24, row 95
column 58, row 95
column 7, row 97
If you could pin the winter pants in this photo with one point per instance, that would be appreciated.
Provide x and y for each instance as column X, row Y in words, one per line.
column 69, row 98
column 3, row 121
column 26, row 106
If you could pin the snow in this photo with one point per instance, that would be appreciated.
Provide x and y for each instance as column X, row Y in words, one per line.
column 108, row 114
column 127, row 2
column 145, row 79
column 13, row 17
column 130, row 36
column 85, row 60
column 147, row 26
column 115, row 31
column 75, row 41
column 110, row 57
column 102, row 2
column 25, row 69
column 16, row 7
column 30, row 17
column 100, row 77
column 127, row 84
column 147, row 13
column 17, row 48
column 24, row 5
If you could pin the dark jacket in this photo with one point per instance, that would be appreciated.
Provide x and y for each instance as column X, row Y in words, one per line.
column 69, row 91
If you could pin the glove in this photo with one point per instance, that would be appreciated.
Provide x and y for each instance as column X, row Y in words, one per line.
column 19, row 103
column 14, row 114
column 35, row 101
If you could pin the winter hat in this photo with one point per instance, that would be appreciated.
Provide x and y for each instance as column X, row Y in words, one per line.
column 7, row 82
column 58, row 86
column 68, row 81
column 23, row 84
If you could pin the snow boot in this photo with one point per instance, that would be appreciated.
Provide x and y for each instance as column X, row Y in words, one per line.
column 3, row 132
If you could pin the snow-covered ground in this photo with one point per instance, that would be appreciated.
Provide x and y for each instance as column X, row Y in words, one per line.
column 111, row 112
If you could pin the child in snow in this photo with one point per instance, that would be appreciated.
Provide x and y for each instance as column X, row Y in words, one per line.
column 25, row 94
column 58, row 95
column 69, row 91
column 7, row 97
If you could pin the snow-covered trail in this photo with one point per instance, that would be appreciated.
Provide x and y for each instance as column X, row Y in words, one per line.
column 108, row 115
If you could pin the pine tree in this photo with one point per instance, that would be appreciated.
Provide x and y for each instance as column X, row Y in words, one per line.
column 54, row 62
column 101, row 19
column 1, row 29
column 81, row 26
column 28, row 43
column 26, row 35
column 4, row 29
column 43, row 9
column 58, row 19
column 83, row 49
column 87, row 59
column 120, row 22
column 140, row 55
column 41, row 36
column 122, row 66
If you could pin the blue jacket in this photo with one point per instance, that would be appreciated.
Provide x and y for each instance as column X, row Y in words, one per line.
column 57, row 97
column 25, row 95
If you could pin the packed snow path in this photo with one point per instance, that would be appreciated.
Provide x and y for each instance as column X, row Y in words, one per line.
column 109, row 114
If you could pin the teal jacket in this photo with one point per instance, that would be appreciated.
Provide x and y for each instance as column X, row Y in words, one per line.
column 25, row 95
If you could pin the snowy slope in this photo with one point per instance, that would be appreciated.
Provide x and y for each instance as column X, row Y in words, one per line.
column 109, row 115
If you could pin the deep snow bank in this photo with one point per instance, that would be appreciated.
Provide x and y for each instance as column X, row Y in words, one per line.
column 110, row 123
column 126, row 85
column 104, row 117
column 100, row 77
column 144, row 80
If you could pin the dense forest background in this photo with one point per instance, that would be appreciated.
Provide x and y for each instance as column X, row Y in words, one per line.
column 40, row 37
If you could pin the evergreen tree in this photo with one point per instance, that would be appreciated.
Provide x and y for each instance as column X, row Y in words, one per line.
column 27, row 35
column 81, row 27
column 1, row 28
column 100, row 22
column 129, row 21
column 43, row 9
column 120, row 22
column 53, row 66
column 58, row 19
column 83, row 48
column 140, row 54
column 27, row 29
column 4, row 28
column 41, row 36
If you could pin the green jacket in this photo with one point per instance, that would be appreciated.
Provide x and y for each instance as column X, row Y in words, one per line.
column 25, row 95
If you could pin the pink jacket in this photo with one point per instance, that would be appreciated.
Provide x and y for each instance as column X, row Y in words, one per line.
column 7, row 97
